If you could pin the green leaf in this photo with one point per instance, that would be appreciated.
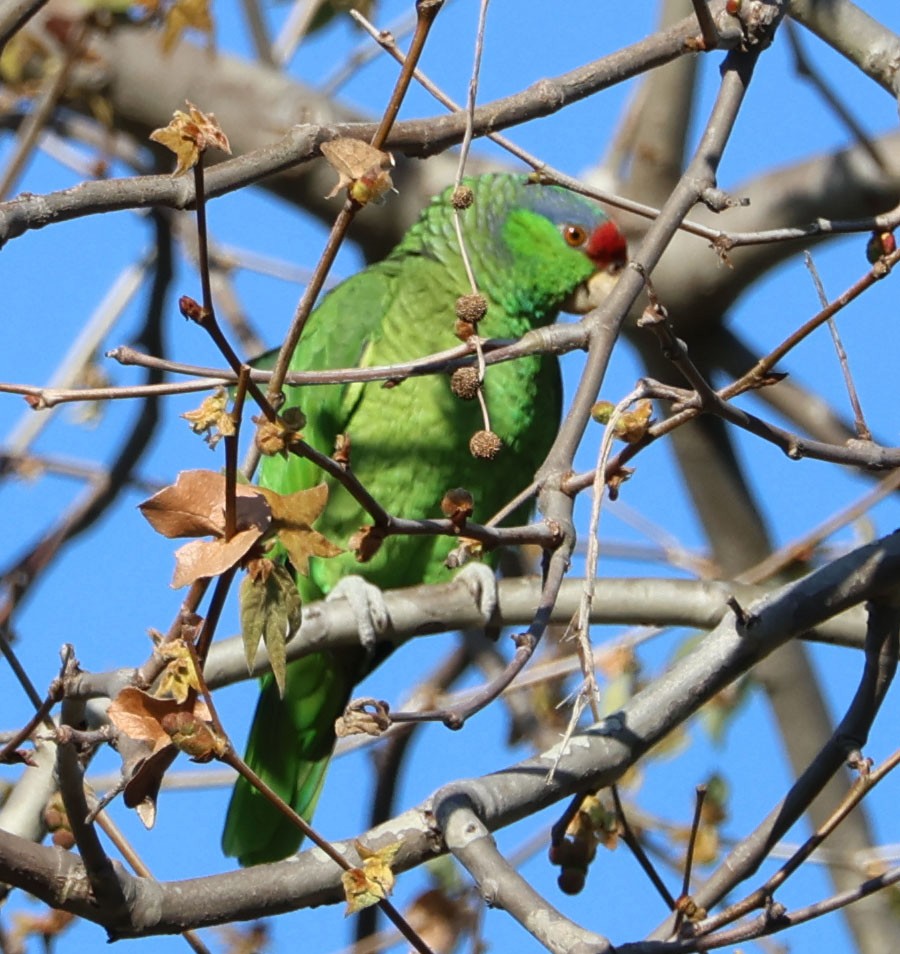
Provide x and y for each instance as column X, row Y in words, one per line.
column 270, row 610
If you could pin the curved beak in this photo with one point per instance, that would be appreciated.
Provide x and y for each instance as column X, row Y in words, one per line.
column 591, row 293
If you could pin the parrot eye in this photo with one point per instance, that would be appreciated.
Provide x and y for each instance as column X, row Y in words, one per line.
column 575, row 235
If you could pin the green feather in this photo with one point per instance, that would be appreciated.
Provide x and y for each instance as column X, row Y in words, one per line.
column 409, row 443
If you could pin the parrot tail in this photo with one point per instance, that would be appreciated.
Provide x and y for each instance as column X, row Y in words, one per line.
column 289, row 748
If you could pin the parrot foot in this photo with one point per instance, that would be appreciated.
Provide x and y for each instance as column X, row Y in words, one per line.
column 480, row 581
column 368, row 607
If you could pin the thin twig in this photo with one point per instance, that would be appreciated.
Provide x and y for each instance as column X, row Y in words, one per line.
column 862, row 454
column 862, row 429
column 95, row 328
column 364, row 53
column 295, row 29
column 231, row 454
column 791, row 552
column 259, row 32
column 805, row 69
column 43, row 109
column 15, row 15
column 879, row 270
column 637, row 849
column 684, row 905
column 126, row 850
column 41, row 713
column 6, row 649
column 881, row 659
column 27, row 569
column 581, row 627
column 426, row 11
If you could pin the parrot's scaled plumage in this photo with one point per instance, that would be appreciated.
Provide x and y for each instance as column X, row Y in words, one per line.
column 531, row 247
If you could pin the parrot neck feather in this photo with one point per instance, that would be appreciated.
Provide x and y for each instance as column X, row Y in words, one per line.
column 511, row 236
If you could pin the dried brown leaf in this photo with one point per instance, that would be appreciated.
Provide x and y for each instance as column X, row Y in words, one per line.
column 194, row 506
column 342, row 447
column 361, row 168
column 439, row 919
column 297, row 510
column 142, row 791
column 48, row 927
column 189, row 134
column 137, row 714
column 464, row 552
column 292, row 518
column 139, row 717
column 366, row 542
column 245, row 938
column 180, row 676
column 363, row 717
column 205, row 558
column 212, row 418
column 183, row 15
column 277, row 437
column 630, row 426
column 301, row 544
column 373, row 881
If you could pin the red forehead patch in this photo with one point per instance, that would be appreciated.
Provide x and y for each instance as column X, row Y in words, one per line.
column 606, row 245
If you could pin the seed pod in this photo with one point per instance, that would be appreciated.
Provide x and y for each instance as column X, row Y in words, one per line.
column 464, row 383
column 485, row 444
column 471, row 308
column 462, row 198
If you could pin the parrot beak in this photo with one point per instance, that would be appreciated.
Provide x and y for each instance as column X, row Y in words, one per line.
column 591, row 293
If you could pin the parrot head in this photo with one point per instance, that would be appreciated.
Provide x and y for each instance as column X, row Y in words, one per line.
column 557, row 250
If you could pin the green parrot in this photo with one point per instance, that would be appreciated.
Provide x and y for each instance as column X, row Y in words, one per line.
column 532, row 248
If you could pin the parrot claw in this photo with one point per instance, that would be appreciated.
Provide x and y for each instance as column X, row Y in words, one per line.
column 368, row 606
column 480, row 581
